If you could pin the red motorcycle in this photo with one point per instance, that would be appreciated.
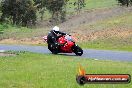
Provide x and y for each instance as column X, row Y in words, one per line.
column 69, row 45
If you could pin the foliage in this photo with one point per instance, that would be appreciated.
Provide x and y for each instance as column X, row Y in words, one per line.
column 2, row 27
column 79, row 5
column 57, row 9
column 125, row 2
column 40, row 4
column 23, row 12
column 1, row 30
column 19, row 12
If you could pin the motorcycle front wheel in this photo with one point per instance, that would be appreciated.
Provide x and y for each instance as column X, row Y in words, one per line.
column 77, row 50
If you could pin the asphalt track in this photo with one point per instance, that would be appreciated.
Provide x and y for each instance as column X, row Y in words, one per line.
column 88, row 53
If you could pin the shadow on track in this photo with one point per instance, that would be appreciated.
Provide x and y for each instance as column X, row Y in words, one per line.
column 63, row 54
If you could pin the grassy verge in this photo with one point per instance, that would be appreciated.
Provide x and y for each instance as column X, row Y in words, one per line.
column 114, row 43
column 107, row 45
column 95, row 4
column 92, row 4
column 30, row 70
column 114, row 35
column 122, row 21
column 9, row 31
column 15, row 32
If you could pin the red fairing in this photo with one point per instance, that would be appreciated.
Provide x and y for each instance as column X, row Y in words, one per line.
column 45, row 38
column 67, row 45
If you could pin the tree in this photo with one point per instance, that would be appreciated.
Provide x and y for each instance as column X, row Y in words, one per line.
column 40, row 4
column 79, row 5
column 57, row 9
column 125, row 2
column 23, row 12
column 20, row 12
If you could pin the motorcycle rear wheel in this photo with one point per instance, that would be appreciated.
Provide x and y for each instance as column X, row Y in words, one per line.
column 53, row 49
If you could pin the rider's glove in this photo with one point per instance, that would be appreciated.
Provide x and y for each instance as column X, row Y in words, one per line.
column 62, row 44
column 59, row 44
column 68, row 34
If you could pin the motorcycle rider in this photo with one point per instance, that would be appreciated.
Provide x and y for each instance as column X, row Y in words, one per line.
column 52, row 38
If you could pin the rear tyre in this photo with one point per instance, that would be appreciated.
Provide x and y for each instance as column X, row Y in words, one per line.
column 77, row 50
column 54, row 52
column 53, row 49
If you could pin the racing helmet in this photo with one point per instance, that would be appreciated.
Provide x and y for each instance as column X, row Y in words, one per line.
column 56, row 29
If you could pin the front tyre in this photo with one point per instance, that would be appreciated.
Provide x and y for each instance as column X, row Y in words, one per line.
column 77, row 50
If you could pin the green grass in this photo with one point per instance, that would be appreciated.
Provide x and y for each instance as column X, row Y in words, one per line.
column 15, row 32
column 96, row 4
column 30, row 70
column 110, row 43
column 122, row 21
column 107, row 44
column 114, row 42
column 92, row 4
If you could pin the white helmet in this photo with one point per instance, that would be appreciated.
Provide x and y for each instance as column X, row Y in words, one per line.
column 56, row 28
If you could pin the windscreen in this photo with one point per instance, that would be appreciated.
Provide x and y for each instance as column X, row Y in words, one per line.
column 69, row 38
